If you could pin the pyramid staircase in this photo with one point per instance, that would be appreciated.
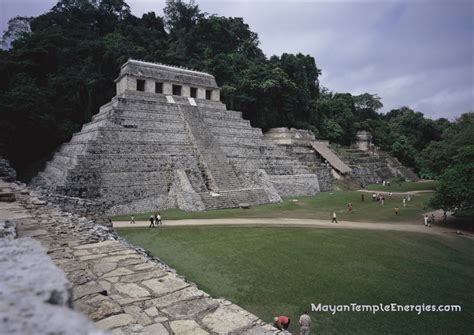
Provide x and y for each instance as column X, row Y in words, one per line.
column 126, row 157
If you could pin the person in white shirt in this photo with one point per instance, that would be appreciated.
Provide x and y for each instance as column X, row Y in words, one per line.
column 305, row 323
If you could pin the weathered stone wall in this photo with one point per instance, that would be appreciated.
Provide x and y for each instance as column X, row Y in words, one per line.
column 297, row 144
column 291, row 186
column 121, row 288
column 290, row 136
column 372, row 167
column 325, row 178
column 186, row 197
column 168, row 76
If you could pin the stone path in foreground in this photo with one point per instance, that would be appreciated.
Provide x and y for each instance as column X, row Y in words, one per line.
column 120, row 287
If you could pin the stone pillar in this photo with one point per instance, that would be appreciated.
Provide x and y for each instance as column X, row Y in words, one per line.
column 168, row 88
column 122, row 85
column 201, row 93
column 216, row 95
column 185, row 91
column 149, row 85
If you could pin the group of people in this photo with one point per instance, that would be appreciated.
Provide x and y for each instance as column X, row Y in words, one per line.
column 379, row 197
column 406, row 199
column 385, row 182
column 283, row 322
column 429, row 220
column 155, row 220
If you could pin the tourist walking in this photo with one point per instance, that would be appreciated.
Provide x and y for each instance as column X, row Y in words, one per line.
column 305, row 323
column 132, row 220
column 349, row 207
column 334, row 218
column 382, row 200
column 427, row 221
column 158, row 219
column 397, row 210
column 404, row 201
column 432, row 218
column 152, row 221
column 362, row 197
column 445, row 217
column 390, row 194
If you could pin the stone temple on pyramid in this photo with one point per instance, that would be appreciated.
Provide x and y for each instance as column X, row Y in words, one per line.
column 165, row 141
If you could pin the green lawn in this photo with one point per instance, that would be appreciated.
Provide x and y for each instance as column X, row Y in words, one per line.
column 404, row 186
column 272, row 271
column 319, row 206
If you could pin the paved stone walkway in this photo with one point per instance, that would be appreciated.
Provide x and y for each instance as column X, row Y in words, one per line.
column 120, row 287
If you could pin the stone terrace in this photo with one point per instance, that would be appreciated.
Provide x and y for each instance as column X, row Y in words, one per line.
column 120, row 287
column 370, row 168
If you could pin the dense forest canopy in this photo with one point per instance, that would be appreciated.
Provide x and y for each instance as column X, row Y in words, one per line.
column 57, row 69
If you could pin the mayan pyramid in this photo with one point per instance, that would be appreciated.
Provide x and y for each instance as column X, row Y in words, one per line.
column 165, row 140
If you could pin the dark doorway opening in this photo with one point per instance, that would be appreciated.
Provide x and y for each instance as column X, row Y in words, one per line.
column 176, row 89
column 140, row 85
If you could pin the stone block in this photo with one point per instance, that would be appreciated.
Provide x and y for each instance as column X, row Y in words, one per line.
column 187, row 327
column 156, row 329
column 228, row 319
column 35, row 296
column 164, row 285
column 29, row 277
column 131, row 290
column 189, row 293
column 190, row 309
column 92, row 287
column 115, row 321
column 98, row 307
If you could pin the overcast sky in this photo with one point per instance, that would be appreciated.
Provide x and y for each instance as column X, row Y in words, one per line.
column 417, row 53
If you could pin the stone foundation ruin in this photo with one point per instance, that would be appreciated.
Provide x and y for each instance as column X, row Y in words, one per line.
column 165, row 140
column 361, row 164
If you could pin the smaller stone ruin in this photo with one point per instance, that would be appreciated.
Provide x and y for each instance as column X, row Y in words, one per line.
column 362, row 163
column 363, row 140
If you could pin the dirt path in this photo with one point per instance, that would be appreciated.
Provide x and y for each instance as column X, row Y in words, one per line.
column 398, row 193
column 310, row 223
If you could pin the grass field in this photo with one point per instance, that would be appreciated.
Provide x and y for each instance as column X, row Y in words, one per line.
column 404, row 186
column 319, row 206
column 273, row 271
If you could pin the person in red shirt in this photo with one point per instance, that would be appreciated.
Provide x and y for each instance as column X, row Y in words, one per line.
column 281, row 322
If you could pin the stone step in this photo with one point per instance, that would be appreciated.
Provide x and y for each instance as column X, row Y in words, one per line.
column 223, row 114
column 234, row 198
column 219, row 122
column 7, row 195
